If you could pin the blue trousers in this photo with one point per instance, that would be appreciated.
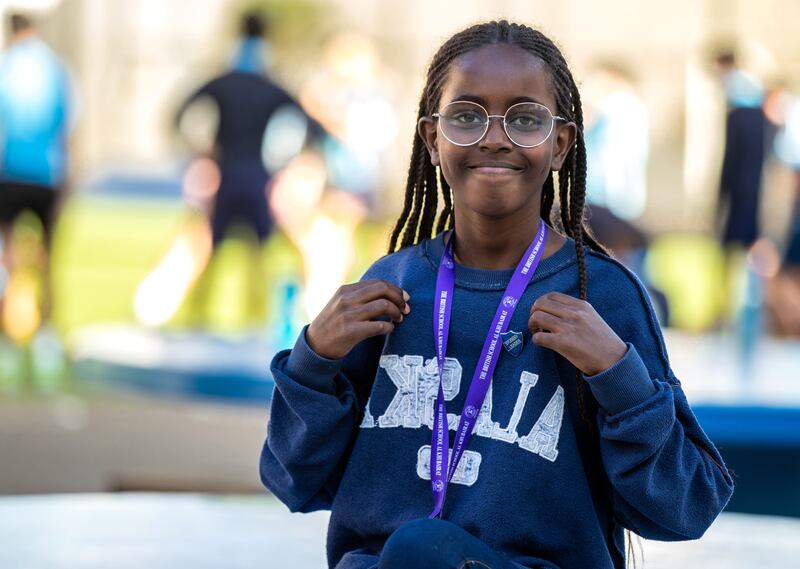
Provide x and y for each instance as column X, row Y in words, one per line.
column 438, row 544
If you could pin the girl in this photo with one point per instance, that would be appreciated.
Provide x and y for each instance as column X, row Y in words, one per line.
column 569, row 425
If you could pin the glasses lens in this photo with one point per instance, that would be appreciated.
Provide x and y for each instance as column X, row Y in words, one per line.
column 528, row 124
column 463, row 122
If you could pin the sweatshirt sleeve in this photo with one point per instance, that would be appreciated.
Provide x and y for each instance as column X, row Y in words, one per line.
column 314, row 415
column 668, row 480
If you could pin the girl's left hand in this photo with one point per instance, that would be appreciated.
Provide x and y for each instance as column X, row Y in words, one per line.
column 572, row 327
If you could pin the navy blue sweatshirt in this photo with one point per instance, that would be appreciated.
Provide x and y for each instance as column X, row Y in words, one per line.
column 545, row 483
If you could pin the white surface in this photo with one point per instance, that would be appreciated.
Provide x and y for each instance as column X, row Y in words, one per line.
column 157, row 531
column 710, row 368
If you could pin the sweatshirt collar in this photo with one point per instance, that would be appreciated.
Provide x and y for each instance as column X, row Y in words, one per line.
column 497, row 279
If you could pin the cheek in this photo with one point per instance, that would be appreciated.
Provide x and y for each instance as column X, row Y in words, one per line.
column 450, row 164
column 541, row 161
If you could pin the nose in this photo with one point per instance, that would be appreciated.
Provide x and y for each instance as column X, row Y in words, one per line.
column 496, row 138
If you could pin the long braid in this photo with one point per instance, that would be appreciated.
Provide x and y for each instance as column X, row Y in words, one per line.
column 415, row 168
column 431, row 205
column 447, row 212
column 412, row 227
column 548, row 196
column 576, row 203
column 564, row 182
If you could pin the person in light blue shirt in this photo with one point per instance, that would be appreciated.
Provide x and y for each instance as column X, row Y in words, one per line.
column 34, row 128
column 34, row 112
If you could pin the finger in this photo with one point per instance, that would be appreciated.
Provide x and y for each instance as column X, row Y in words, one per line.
column 555, row 307
column 377, row 288
column 370, row 328
column 545, row 339
column 541, row 320
column 563, row 298
column 377, row 308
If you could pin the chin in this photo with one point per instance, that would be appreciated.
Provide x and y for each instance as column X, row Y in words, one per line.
column 494, row 207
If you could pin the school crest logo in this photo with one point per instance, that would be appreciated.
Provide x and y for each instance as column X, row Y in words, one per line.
column 470, row 411
column 448, row 262
column 512, row 342
column 509, row 302
column 438, row 485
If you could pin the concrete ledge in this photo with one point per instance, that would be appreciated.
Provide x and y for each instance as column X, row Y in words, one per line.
column 133, row 530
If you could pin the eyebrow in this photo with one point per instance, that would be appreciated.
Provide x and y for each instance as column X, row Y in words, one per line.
column 482, row 101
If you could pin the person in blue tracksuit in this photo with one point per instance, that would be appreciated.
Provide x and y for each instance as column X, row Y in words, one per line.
column 584, row 430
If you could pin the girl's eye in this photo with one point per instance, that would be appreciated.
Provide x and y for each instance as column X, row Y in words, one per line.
column 526, row 121
column 468, row 118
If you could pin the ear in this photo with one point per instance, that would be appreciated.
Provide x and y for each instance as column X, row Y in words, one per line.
column 426, row 128
column 565, row 138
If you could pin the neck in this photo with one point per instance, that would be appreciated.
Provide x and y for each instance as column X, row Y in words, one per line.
column 498, row 243
column 22, row 35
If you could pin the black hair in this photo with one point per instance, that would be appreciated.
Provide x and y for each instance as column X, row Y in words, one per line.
column 726, row 58
column 20, row 23
column 416, row 221
column 253, row 25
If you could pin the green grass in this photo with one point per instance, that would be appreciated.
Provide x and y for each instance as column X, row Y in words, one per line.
column 104, row 247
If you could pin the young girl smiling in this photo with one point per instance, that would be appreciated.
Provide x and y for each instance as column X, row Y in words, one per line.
column 531, row 344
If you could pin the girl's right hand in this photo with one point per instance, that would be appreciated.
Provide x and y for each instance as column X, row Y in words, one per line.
column 348, row 318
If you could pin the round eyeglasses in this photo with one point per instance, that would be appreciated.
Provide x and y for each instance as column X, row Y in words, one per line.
column 465, row 123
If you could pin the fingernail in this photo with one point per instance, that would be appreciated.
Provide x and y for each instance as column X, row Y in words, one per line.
column 407, row 309
column 406, row 296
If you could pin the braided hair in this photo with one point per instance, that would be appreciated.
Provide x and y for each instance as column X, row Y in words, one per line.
column 416, row 221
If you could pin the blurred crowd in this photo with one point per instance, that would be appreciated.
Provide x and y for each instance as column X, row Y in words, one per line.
column 289, row 187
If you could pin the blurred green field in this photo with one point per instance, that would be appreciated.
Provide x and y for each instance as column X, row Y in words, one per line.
column 104, row 247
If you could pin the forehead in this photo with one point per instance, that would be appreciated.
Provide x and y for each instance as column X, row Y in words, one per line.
column 496, row 75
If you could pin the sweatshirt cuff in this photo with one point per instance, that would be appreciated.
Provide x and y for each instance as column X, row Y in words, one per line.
column 308, row 368
column 624, row 385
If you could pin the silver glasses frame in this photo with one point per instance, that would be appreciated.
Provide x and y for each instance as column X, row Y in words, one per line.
column 489, row 118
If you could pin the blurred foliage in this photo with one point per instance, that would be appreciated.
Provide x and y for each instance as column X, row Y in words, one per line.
column 690, row 271
column 24, row 293
column 102, row 250
column 371, row 242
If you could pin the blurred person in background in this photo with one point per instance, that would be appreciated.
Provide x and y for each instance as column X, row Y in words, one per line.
column 34, row 125
column 245, row 99
column 783, row 292
column 247, row 103
column 617, row 150
column 617, row 142
column 739, row 197
column 744, row 153
column 350, row 92
column 629, row 245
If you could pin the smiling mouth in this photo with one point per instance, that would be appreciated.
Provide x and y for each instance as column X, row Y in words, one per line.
column 495, row 169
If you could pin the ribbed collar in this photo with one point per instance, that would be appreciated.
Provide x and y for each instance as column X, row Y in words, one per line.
column 497, row 279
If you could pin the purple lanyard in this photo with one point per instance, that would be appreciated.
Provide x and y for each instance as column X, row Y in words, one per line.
column 482, row 377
